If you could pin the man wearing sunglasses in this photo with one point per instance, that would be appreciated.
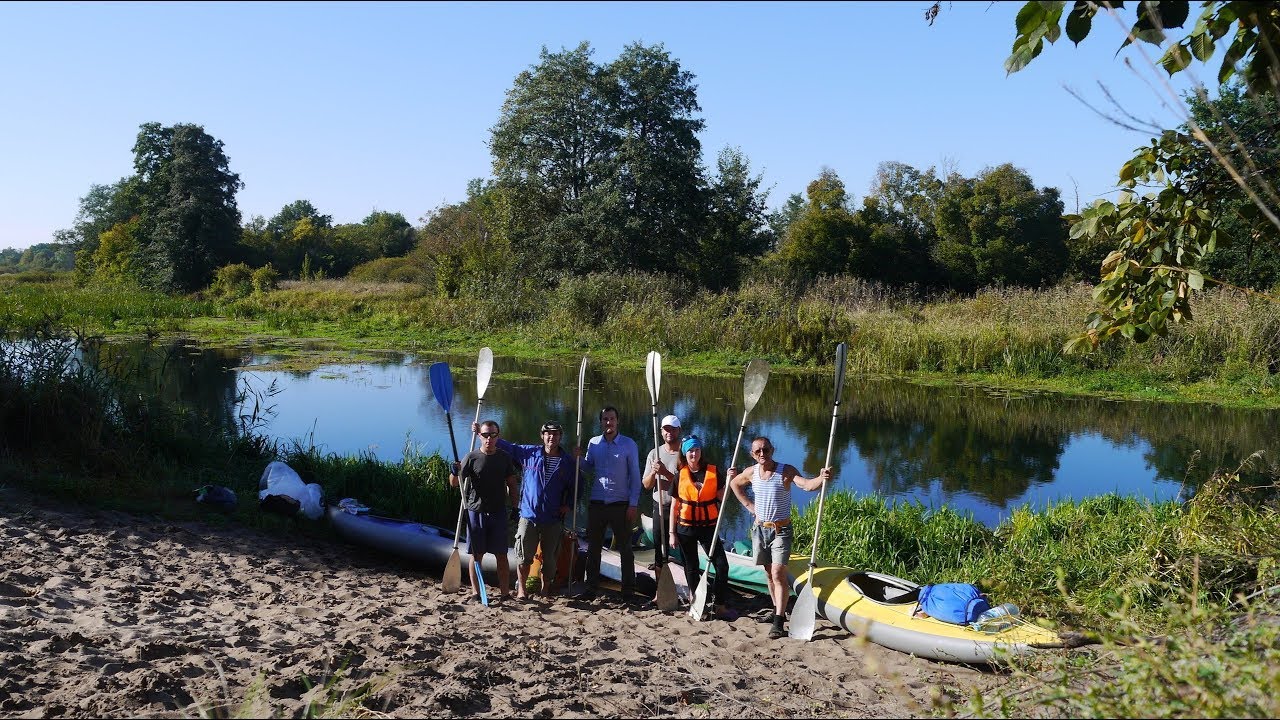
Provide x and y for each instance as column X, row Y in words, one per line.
column 546, row 496
column 771, row 483
column 490, row 476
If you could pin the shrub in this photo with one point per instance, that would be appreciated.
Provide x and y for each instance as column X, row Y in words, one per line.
column 265, row 279
column 232, row 281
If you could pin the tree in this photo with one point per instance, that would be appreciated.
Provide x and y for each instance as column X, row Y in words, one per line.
column 818, row 242
column 737, row 226
column 1245, row 130
column 598, row 167
column 782, row 218
column 651, row 103
column 188, row 220
column 997, row 229
column 1161, row 238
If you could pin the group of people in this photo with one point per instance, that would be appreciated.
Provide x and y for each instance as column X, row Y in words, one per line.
column 687, row 490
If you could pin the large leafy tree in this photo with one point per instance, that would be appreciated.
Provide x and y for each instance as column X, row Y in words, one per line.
column 1246, row 131
column 188, row 221
column 818, row 242
column 598, row 166
column 737, row 224
column 1164, row 227
column 997, row 229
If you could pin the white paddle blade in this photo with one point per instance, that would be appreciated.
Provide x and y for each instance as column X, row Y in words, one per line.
column 650, row 376
column 804, row 615
column 700, row 598
column 453, row 573
column 484, row 371
column 753, row 383
column 667, row 599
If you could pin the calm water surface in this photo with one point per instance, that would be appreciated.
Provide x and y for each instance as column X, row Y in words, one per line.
column 979, row 452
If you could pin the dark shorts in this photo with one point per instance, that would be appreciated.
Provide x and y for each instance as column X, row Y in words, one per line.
column 486, row 533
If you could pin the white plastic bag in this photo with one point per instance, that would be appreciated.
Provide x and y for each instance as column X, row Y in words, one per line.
column 280, row 479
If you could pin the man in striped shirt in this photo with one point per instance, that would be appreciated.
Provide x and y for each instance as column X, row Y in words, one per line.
column 771, row 483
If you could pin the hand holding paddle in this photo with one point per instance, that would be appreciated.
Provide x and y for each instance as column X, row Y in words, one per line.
column 442, row 387
column 805, row 612
column 577, row 468
column 666, row 599
column 753, row 382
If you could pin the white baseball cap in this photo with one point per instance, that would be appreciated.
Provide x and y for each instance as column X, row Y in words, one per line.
column 671, row 421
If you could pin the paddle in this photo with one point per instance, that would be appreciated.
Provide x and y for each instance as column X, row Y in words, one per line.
column 805, row 612
column 442, row 385
column 573, row 559
column 753, row 382
column 666, row 598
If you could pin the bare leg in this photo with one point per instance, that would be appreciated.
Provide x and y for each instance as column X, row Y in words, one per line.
column 778, row 589
column 522, row 577
column 504, row 574
column 475, row 581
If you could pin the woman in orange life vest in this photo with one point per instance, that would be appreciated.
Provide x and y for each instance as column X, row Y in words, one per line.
column 694, row 508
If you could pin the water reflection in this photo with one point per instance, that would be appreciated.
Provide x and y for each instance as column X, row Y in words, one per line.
column 975, row 451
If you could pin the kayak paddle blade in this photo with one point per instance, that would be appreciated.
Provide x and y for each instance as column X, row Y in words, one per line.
column 442, row 385
column 484, row 593
column 700, row 597
column 666, row 600
column 804, row 615
column 484, row 370
column 453, row 572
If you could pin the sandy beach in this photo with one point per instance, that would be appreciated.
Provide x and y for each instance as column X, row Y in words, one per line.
column 106, row 614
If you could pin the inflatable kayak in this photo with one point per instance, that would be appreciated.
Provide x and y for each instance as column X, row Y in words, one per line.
column 744, row 573
column 881, row 608
column 427, row 545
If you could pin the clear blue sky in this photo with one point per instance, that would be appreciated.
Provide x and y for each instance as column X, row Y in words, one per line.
column 387, row 106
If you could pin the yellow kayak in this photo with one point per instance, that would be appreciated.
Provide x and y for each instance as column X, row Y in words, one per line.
column 881, row 608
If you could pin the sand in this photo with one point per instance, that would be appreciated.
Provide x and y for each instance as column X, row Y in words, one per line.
column 107, row 614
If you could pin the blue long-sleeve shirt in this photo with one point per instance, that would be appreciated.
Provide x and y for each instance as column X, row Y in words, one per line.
column 616, row 464
column 541, row 497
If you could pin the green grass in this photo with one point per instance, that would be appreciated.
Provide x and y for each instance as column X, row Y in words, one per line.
column 1000, row 338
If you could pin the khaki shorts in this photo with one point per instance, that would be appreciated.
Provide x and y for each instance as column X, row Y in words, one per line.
column 528, row 535
column 771, row 546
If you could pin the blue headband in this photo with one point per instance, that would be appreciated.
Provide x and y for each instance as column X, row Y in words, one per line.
column 690, row 443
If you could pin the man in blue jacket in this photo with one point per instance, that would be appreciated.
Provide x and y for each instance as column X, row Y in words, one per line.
column 546, row 496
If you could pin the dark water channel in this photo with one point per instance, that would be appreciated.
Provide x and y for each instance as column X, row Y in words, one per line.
column 977, row 451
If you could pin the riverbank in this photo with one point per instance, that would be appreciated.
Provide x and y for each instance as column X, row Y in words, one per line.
column 109, row 614
column 1001, row 339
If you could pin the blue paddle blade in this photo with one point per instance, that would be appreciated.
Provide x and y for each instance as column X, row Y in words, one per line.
column 484, row 593
column 442, row 385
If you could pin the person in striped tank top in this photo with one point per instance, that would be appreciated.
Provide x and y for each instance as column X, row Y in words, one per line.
column 771, row 483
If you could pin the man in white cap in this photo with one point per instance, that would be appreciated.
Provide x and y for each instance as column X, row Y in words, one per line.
column 661, row 468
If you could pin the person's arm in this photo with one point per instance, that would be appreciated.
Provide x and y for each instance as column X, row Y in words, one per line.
column 513, row 488
column 649, row 470
column 455, row 474
column 675, row 515
column 633, row 482
column 805, row 483
column 739, row 486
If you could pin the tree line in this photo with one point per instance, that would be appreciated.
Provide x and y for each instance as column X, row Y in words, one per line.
column 597, row 167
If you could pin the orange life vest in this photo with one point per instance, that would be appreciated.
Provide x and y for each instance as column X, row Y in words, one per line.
column 699, row 508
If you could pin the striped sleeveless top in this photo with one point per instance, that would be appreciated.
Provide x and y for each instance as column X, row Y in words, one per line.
column 773, row 497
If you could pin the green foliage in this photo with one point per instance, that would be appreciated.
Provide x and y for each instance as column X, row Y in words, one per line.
column 398, row 269
column 997, row 229
column 265, row 279
column 189, row 222
column 117, row 261
column 1251, row 52
column 818, row 241
column 1160, row 238
column 233, row 281
column 46, row 257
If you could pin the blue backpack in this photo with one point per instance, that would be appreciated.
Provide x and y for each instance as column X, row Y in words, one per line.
column 959, row 603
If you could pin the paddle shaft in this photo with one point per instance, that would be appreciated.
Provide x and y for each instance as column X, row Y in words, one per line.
column 661, row 540
column 822, row 493
column 462, row 505
column 577, row 469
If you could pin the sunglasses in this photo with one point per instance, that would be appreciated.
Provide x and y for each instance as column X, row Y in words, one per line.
column 487, row 435
column 762, row 451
